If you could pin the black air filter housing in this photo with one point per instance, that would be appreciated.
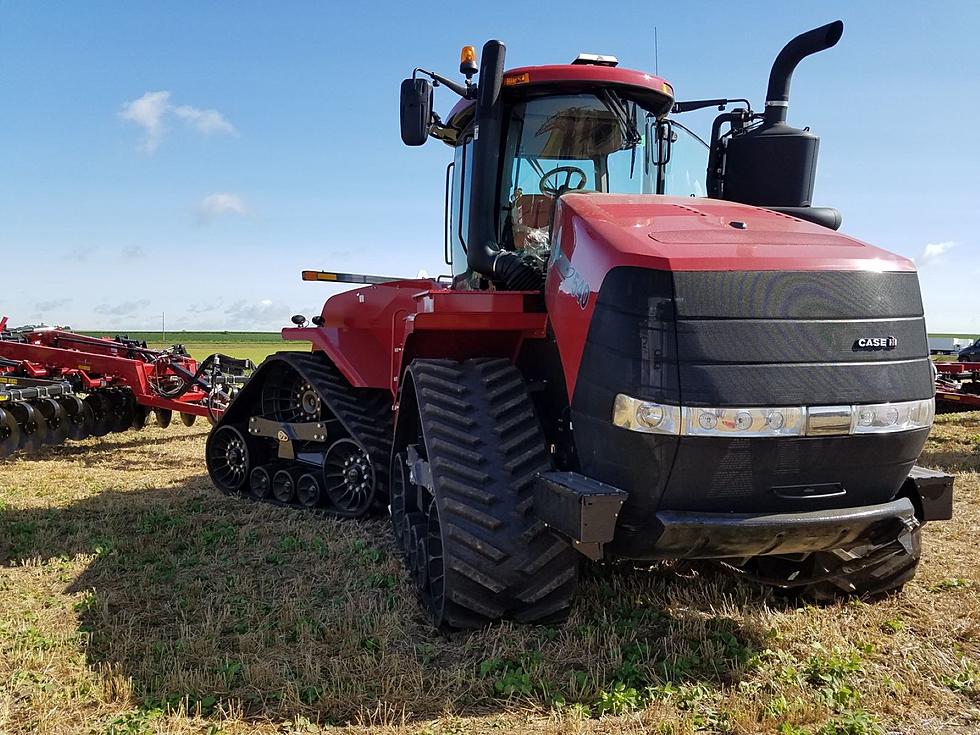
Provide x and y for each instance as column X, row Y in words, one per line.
column 773, row 165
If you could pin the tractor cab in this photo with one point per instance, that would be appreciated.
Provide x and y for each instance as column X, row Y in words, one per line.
column 580, row 127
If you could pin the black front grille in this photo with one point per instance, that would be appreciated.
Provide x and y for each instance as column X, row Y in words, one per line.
column 748, row 339
column 772, row 338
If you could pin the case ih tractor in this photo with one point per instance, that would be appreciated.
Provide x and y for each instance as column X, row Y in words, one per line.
column 632, row 360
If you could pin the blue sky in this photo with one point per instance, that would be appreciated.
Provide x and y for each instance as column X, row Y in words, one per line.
column 264, row 140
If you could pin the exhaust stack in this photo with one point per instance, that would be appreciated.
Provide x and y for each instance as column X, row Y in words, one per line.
column 805, row 44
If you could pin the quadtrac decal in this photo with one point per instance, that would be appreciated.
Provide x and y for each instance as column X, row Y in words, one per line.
column 572, row 282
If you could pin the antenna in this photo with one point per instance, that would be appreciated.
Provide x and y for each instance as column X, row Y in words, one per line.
column 656, row 53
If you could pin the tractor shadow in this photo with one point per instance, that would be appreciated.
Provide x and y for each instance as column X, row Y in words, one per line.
column 216, row 604
column 99, row 448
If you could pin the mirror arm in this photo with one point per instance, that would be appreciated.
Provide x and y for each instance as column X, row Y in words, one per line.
column 467, row 92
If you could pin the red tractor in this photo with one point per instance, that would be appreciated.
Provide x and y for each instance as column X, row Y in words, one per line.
column 632, row 360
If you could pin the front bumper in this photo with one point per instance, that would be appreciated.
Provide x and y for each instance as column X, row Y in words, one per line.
column 585, row 511
column 727, row 535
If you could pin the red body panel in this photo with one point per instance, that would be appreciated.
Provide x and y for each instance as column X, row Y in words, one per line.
column 589, row 73
column 372, row 333
column 598, row 232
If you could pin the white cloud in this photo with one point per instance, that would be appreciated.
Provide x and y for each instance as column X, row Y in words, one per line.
column 148, row 112
column 133, row 252
column 933, row 251
column 265, row 314
column 220, row 205
column 205, row 121
column 153, row 109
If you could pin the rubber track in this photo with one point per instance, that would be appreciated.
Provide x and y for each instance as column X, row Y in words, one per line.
column 485, row 447
column 365, row 413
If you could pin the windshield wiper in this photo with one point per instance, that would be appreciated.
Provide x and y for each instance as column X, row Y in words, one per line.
column 627, row 124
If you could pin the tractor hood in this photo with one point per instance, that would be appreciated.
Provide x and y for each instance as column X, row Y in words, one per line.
column 687, row 234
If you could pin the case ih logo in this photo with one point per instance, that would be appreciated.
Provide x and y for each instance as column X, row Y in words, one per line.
column 876, row 343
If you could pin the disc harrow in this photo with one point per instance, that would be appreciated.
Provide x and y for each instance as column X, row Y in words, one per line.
column 299, row 435
column 57, row 385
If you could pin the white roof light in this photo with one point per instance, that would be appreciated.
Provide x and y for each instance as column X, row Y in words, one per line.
column 596, row 60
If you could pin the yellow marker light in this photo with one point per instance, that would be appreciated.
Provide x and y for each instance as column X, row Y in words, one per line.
column 513, row 80
column 319, row 276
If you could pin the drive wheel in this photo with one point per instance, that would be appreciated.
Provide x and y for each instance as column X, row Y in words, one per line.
column 9, row 434
column 479, row 447
column 78, row 416
column 101, row 408
column 55, row 418
column 228, row 459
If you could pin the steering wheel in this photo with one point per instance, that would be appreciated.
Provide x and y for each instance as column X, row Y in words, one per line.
column 570, row 173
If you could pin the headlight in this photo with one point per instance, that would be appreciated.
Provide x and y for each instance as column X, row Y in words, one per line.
column 887, row 417
column 780, row 421
column 661, row 418
column 646, row 416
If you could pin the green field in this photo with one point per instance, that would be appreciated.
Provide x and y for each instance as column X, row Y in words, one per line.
column 255, row 346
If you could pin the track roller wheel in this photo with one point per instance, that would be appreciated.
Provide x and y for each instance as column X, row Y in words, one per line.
column 9, row 434
column 308, row 491
column 348, row 478
column 188, row 419
column 141, row 414
column 163, row 417
column 55, row 418
column 475, row 453
column 284, row 486
column 260, row 483
column 227, row 458
column 396, row 498
column 33, row 427
column 78, row 417
column 101, row 408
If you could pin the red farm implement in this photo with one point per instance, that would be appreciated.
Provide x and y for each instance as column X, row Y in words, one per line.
column 957, row 386
column 57, row 385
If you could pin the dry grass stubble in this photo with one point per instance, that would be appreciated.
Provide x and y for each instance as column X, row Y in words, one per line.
column 135, row 598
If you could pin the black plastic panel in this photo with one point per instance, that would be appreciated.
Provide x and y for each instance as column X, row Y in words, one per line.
column 819, row 384
column 750, row 475
column 797, row 294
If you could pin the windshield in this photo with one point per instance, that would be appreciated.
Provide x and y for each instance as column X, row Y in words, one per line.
column 601, row 142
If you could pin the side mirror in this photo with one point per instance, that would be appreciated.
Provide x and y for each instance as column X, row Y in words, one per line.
column 416, row 110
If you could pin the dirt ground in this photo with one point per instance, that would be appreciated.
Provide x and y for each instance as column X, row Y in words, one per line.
column 136, row 599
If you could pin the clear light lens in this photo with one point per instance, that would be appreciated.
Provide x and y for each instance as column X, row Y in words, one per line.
column 888, row 417
column 661, row 418
column 646, row 416
column 755, row 422
column 650, row 415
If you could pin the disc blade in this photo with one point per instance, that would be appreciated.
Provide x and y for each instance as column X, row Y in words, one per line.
column 163, row 417
column 123, row 408
column 55, row 418
column 78, row 417
column 101, row 408
column 141, row 414
column 33, row 427
column 9, row 434
column 187, row 419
